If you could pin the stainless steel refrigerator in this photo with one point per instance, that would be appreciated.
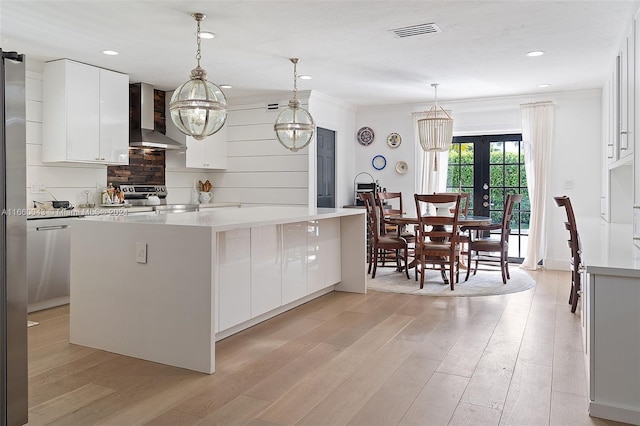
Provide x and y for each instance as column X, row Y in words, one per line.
column 13, row 242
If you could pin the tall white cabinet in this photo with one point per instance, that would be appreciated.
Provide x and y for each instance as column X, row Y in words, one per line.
column 85, row 114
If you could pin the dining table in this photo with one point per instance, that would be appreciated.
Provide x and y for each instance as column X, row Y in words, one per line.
column 463, row 220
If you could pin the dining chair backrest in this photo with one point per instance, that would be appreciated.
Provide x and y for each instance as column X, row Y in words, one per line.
column 372, row 216
column 389, row 204
column 571, row 226
column 507, row 215
column 391, row 198
column 435, row 226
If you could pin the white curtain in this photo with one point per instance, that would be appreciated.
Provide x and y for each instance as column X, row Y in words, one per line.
column 428, row 180
column 537, row 135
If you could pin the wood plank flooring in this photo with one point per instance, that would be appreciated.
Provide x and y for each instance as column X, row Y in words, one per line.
column 375, row 359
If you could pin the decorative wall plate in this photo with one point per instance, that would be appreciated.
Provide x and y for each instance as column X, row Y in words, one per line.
column 365, row 136
column 394, row 140
column 401, row 167
column 379, row 162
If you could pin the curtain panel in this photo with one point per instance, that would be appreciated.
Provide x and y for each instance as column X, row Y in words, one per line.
column 537, row 138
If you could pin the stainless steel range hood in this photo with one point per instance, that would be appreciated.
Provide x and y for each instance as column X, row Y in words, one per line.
column 141, row 133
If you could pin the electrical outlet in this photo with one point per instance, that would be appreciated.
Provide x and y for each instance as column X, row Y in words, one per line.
column 141, row 252
column 35, row 188
column 43, row 187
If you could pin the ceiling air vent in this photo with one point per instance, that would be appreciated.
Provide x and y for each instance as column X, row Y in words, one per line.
column 416, row 30
column 273, row 107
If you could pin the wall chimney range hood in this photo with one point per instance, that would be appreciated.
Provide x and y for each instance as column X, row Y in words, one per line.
column 141, row 132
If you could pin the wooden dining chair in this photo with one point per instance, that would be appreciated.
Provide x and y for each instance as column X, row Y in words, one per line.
column 482, row 247
column 437, row 242
column 386, row 203
column 380, row 246
column 576, row 250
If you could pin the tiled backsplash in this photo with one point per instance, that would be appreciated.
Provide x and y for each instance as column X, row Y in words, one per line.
column 146, row 167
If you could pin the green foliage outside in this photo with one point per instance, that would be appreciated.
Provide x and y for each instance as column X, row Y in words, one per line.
column 506, row 174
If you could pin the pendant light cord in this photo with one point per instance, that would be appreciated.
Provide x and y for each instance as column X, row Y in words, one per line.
column 435, row 86
column 295, row 78
column 198, row 56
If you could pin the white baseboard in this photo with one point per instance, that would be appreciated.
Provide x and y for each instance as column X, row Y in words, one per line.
column 619, row 414
column 557, row 264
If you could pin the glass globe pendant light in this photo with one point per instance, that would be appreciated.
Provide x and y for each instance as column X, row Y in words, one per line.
column 294, row 126
column 198, row 107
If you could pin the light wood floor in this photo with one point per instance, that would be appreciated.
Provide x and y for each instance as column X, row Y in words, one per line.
column 375, row 359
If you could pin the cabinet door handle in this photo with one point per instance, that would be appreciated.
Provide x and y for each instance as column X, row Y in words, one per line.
column 49, row 228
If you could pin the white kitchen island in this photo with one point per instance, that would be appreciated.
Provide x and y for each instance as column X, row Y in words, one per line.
column 165, row 287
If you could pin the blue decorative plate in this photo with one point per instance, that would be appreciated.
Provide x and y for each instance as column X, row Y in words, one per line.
column 365, row 136
column 379, row 162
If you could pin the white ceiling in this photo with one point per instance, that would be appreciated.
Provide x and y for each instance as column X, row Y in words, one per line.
column 345, row 45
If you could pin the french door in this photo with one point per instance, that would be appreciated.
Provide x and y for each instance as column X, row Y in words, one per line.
column 489, row 167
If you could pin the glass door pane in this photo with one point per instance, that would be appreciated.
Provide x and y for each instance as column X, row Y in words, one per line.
column 490, row 167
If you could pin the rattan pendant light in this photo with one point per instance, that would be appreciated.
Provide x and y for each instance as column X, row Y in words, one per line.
column 436, row 130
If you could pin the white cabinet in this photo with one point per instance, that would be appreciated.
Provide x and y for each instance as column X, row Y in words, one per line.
column 266, row 269
column 209, row 153
column 234, row 290
column 294, row 261
column 626, row 95
column 324, row 254
column 613, row 346
column 85, row 114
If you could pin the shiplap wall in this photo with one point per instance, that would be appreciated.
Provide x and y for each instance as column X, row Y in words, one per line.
column 64, row 181
column 260, row 170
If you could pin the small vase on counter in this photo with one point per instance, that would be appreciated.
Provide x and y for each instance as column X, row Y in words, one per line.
column 206, row 197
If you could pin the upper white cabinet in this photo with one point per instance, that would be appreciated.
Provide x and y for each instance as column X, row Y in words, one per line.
column 85, row 114
column 626, row 97
column 209, row 153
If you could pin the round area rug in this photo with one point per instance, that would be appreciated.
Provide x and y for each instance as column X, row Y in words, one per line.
column 484, row 283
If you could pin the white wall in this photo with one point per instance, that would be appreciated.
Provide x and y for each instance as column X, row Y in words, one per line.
column 333, row 114
column 64, row 181
column 575, row 157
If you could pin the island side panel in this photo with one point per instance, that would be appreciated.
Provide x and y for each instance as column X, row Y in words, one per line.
column 353, row 244
column 162, row 310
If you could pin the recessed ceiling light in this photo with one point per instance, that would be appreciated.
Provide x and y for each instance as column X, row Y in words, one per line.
column 207, row 34
column 535, row 53
column 544, row 85
column 226, row 86
column 304, row 77
column 110, row 52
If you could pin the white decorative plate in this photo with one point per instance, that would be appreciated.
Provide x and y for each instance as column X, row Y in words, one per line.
column 365, row 136
column 394, row 140
column 401, row 167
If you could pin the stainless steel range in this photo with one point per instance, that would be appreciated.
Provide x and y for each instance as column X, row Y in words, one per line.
column 154, row 196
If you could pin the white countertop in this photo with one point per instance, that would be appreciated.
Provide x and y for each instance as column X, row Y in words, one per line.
column 608, row 248
column 80, row 212
column 216, row 205
column 226, row 219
